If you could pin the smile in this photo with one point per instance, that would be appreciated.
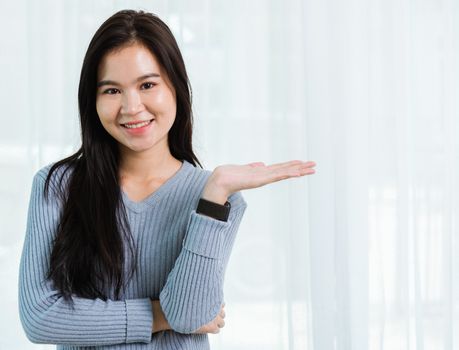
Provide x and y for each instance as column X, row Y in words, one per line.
column 138, row 125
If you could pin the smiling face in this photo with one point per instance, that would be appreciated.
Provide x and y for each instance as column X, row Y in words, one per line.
column 135, row 101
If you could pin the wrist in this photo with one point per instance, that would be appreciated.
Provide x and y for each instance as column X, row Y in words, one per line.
column 214, row 210
column 214, row 193
column 159, row 319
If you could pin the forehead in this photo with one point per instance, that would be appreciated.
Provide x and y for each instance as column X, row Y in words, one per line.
column 127, row 63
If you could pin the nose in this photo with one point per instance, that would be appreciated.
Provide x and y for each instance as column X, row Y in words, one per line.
column 131, row 103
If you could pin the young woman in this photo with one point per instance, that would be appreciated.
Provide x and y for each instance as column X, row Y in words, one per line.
column 127, row 240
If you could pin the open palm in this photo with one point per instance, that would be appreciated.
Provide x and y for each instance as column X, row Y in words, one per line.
column 241, row 177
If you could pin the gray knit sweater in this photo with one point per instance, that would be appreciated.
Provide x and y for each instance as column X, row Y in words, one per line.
column 182, row 258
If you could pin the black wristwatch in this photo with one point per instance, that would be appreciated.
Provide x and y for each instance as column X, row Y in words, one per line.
column 214, row 210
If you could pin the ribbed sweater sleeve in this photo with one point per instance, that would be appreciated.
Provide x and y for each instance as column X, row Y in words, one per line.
column 45, row 316
column 193, row 293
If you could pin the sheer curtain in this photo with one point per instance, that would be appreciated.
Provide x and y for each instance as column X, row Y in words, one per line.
column 361, row 255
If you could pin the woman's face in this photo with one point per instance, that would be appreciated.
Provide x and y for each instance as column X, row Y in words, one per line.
column 135, row 101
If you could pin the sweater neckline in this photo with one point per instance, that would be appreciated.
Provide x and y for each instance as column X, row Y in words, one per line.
column 153, row 197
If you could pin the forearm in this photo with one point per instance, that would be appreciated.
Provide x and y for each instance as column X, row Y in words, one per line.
column 45, row 316
column 93, row 322
column 193, row 293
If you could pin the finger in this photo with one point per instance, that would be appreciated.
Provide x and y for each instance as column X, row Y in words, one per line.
column 222, row 313
column 301, row 168
column 295, row 166
column 292, row 169
column 221, row 324
column 285, row 164
column 298, row 166
column 286, row 171
column 292, row 163
column 282, row 171
column 256, row 164
column 309, row 164
column 202, row 330
column 306, row 170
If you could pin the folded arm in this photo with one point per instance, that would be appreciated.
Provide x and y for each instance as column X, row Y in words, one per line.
column 45, row 316
column 193, row 293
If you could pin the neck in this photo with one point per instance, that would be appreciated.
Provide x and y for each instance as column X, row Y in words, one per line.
column 146, row 165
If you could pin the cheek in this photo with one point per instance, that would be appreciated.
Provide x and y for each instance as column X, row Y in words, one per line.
column 164, row 98
column 105, row 110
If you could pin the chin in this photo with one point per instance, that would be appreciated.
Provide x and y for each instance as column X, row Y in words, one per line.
column 139, row 148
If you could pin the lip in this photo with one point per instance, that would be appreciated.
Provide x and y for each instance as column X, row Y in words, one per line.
column 138, row 131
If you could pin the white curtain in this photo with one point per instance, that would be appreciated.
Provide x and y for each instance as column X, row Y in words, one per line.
column 361, row 255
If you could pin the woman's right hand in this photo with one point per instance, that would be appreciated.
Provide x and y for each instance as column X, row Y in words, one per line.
column 214, row 325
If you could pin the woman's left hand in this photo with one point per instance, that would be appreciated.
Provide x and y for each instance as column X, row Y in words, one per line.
column 228, row 179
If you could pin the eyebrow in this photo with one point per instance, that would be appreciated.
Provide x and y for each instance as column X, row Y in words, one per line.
column 111, row 82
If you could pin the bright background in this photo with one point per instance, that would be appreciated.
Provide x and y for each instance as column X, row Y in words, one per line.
column 362, row 255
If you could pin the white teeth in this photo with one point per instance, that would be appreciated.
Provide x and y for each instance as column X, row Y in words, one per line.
column 139, row 125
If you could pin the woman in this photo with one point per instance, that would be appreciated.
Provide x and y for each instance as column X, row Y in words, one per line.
column 127, row 240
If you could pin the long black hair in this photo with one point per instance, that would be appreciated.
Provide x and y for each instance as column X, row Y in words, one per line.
column 87, row 257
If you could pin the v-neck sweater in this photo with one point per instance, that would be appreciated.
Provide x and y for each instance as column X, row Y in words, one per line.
column 182, row 258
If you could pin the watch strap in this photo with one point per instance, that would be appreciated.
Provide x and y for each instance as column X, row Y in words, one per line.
column 214, row 210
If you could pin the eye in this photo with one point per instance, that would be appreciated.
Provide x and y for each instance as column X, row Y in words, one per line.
column 108, row 91
column 149, row 85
